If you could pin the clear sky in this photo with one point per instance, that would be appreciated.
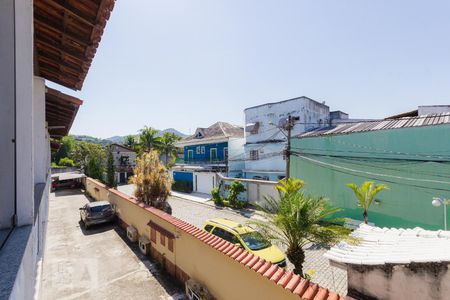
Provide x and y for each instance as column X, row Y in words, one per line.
column 188, row 63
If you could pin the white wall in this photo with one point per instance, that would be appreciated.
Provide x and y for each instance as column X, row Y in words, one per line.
column 236, row 155
column 24, row 111
column 268, row 116
column 433, row 109
column 413, row 282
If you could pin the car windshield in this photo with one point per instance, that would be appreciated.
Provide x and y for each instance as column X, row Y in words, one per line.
column 255, row 241
column 98, row 209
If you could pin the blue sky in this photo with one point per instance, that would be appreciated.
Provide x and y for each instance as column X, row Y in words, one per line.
column 187, row 64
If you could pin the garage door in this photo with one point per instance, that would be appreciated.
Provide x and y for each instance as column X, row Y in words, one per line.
column 205, row 182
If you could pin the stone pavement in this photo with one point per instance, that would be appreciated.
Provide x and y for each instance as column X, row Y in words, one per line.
column 196, row 213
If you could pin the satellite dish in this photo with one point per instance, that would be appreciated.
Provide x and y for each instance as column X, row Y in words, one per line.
column 282, row 122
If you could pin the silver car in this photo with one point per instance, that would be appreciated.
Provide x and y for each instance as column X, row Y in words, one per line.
column 96, row 213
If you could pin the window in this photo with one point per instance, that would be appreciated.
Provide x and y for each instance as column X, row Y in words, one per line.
column 197, row 149
column 225, row 153
column 153, row 235
column 208, row 228
column 254, row 155
column 213, row 153
column 203, row 150
column 162, row 239
column 170, row 246
column 190, row 155
column 227, row 236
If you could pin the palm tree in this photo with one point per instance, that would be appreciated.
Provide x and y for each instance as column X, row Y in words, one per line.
column 167, row 146
column 366, row 194
column 130, row 142
column 298, row 219
column 149, row 139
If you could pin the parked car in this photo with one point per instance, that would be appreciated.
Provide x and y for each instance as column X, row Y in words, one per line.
column 246, row 238
column 96, row 213
column 65, row 184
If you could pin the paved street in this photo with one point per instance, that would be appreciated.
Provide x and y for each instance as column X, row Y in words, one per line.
column 97, row 263
column 196, row 213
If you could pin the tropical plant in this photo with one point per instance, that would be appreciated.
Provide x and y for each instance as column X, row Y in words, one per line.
column 167, row 146
column 110, row 170
column 298, row 219
column 130, row 142
column 215, row 193
column 236, row 188
column 366, row 194
column 67, row 162
column 152, row 180
column 148, row 139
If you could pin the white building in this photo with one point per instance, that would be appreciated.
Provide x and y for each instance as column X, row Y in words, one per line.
column 124, row 162
column 40, row 40
column 264, row 140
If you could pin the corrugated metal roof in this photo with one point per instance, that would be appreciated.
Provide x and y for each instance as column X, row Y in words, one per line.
column 379, row 246
column 346, row 128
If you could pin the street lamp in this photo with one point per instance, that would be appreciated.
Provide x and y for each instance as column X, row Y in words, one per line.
column 438, row 202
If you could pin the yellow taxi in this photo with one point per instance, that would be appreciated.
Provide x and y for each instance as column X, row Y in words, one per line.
column 247, row 238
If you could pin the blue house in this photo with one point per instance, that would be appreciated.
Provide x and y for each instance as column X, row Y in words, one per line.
column 205, row 153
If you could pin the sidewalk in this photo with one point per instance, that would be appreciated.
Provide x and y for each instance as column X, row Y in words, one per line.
column 197, row 197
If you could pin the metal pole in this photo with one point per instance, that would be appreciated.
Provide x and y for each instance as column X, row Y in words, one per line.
column 445, row 215
column 288, row 148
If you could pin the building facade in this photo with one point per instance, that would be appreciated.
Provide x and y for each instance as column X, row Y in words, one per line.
column 207, row 152
column 410, row 155
column 124, row 162
column 265, row 142
column 37, row 44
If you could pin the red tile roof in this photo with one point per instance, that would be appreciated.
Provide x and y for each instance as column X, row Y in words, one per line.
column 285, row 279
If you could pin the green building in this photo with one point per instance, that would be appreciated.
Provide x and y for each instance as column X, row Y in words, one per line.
column 409, row 155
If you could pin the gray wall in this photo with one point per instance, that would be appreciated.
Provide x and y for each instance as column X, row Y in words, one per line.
column 7, row 120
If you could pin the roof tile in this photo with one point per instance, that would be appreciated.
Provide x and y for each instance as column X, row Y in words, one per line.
column 290, row 281
column 301, row 287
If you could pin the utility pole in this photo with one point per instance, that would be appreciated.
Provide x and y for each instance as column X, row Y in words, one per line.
column 288, row 127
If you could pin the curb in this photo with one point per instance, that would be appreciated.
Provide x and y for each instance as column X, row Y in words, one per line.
column 254, row 211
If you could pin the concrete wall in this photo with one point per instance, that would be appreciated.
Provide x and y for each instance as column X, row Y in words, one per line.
column 190, row 257
column 413, row 162
column 256, row 190
column 414, row 282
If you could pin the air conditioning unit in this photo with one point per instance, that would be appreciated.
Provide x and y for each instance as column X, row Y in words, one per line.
column 195, row 291
column 144, row 245
column 132, row 234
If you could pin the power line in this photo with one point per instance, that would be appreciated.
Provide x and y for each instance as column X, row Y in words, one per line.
column 372, row 153
column 369, row 173
column 354, row 160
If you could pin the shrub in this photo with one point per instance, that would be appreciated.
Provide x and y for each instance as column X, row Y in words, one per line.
column 152, row 180
column 67, row 162
column 215, row 193
column 236, row 188
column 182, row 186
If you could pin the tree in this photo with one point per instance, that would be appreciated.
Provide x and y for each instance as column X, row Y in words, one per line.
column 67, row 162
column 68, row 144
column 110, row 170
column 91, row 158
column 148, row 139
column 167, row 146
column 365, row 194
column 297, row 219
column 130, row 142
column 152, row 181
